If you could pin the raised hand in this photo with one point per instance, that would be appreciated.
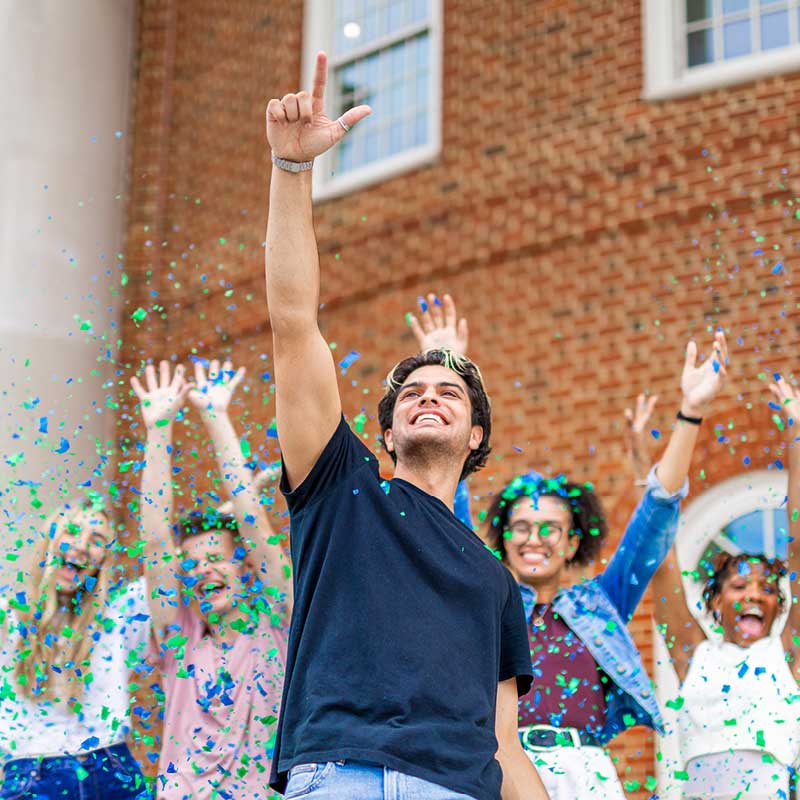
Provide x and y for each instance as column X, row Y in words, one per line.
column 298, row 128
column 164, row 396
column 788, row 398
column 212, row 395
column 438, row 326
column 637, row 439
column 700, row 385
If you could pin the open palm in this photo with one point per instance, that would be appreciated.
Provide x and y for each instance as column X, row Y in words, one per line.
column 701, row 384
column 162, row 396
column 212, row 394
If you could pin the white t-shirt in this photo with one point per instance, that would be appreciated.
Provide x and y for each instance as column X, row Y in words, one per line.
column 31, row 728
column 740, row 698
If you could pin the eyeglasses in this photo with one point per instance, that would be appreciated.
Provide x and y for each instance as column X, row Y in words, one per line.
column 521, row 532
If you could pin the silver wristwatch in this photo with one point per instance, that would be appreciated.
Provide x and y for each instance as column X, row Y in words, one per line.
column 292, row 166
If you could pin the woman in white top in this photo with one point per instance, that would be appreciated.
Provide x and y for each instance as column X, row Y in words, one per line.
column 66, row 643
column 739, row 702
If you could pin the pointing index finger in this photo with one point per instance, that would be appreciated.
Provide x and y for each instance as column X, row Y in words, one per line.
column 320, row 79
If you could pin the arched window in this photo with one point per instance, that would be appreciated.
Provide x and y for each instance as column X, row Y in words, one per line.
column 746, row 513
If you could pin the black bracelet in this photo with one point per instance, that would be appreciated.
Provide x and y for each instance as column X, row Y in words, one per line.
column 691, row 420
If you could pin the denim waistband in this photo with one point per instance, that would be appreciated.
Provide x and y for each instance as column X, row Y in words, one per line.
column 36, row 765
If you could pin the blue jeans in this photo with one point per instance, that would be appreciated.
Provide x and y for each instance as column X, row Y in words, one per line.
column 110, row 773
column 355, row 781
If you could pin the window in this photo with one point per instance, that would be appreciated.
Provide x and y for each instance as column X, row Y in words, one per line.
column 743, row 514
column 386, row 53
column 694, row 45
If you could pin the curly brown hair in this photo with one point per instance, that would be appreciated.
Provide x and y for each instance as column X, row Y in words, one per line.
column 588, row 519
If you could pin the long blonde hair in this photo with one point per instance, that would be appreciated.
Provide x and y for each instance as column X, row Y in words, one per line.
column 40, row 646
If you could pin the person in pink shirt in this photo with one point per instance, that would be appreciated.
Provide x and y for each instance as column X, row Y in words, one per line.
column 218, row 604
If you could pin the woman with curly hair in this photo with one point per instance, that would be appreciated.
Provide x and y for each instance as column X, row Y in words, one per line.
column 589, row 681
column 66, row 646
column 738, row 702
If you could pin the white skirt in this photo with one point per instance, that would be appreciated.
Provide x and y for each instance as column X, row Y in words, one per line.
column 577, row 772
column 736, row 774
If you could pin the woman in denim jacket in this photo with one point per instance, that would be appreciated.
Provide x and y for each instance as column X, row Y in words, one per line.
column 589, row 680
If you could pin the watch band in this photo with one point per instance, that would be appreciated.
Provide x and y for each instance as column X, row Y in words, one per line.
column 292, row 166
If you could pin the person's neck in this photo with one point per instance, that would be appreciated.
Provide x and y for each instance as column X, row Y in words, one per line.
column 437, row 479
column 223, row 629
column 546, row 588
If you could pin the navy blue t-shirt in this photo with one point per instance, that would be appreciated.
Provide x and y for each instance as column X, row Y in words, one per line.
column 403, row 625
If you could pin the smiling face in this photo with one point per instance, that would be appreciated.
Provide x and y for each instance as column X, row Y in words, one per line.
column 80, row 547
column 747, row 603
column 538, row 541
column 219, row 576
column 432, row 414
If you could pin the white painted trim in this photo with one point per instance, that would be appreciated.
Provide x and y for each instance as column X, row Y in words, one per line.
column 665, row 77
column 316, row 32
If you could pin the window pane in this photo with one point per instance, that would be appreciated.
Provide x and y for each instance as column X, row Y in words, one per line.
column 732, row 6
column 420, row 9
column 698, row 9
column 736, row 36
column 420, row 129
column 359, row 22
column 392, row 81
column 701, row 47
column 774, row 30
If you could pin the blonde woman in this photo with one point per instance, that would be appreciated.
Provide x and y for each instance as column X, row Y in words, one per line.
column 66, row 643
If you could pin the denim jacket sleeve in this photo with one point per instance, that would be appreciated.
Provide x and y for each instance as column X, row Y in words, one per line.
column 461, row 504
column 650, row 533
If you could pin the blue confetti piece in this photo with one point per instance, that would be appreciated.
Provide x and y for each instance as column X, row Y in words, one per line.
column 63, row 446
column 42, row 424
column 349, row 360
column 655, row 433
column 422, row 304
column 743, row 670
column 746, row 461
column 21, row 598
column 90, row 583
column 774, row 406
column 437, row 301
column 715, row 364
column 777, row 268
column 90, row 744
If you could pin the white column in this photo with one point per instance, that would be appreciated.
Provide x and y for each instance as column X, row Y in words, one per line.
column 65, row 72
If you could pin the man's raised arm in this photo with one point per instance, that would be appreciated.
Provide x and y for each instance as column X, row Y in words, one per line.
column 307, row 394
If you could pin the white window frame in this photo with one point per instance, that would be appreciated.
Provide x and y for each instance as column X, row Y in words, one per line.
column 700, row 524
column 317, row 24
column 664, row 49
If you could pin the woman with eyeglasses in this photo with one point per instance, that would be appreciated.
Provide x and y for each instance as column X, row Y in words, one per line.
column 738, row 707
column 67, row 643
column 589, row 681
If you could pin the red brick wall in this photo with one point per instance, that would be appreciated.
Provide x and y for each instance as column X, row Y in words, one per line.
column 584, row 232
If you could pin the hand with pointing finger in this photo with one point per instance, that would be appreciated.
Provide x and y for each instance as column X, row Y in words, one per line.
column 298, row 128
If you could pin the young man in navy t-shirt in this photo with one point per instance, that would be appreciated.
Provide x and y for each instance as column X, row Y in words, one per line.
column 408, row 645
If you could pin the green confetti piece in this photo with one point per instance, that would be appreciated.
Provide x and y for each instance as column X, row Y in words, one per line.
column 81, row 773
column 245, row 446
column 760, row 739
column 138, row 315
column 681, row 775
column 675, row 704
column 730, row 723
